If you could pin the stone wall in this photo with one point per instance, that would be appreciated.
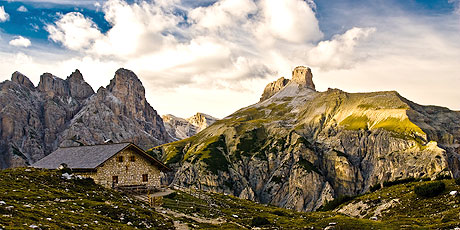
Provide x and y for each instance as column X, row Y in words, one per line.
column 129, row 173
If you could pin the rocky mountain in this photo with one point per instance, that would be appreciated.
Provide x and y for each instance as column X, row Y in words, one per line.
column 180, row 128
column 298, row 148
column 34, row 121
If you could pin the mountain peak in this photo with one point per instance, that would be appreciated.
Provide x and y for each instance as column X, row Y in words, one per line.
column 302, row 75
column 78, row 87
column 52, row 85
column 22, row 79
column 76, row 75
column 125, row 82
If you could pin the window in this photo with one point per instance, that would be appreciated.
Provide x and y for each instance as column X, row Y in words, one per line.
column 132, row 158
column 145, row 177
column 115, row 179
column 120, row 159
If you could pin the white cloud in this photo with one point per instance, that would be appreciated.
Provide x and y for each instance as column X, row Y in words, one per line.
column 22, row 9
column 233, row 48
column 20, row 41
column 74, row 31
column 290, row 20
column 4, row 16
column 339, row 52
column 231, row 45
column 456, row 4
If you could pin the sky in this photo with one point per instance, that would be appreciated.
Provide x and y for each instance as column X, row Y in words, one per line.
column 216, row 56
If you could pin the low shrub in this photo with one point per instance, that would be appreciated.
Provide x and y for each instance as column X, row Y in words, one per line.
column 457, row 181
column 399, row 181
column 259, row 221
column 171, row 195
column 375, row 187
column 279, row 213
column 443, row 177
column 430, row 189
column 335, row 202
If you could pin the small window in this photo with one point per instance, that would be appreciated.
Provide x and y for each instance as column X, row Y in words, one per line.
column 132, row 158
column 145, row 177
column 115, row 179
column 120, row 159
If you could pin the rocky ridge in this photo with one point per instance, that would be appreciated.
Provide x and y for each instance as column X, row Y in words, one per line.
column 36, row 120
column 180, row 128
column 300, row 148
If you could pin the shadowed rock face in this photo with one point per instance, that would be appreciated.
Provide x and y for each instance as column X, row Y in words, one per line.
column 300, row 148
column 35, row 121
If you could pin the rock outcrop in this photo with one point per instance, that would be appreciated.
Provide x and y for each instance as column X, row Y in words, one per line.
column 300, row 148
column 180, row 128
column 22, row 80
column 36, row 120
column 273, row 88
column 302, row 75
column 118, row 112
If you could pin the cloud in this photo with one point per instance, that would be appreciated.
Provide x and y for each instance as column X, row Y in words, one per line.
column 22, row 9
column 456, row 4
column 20, row 41
column 199, row 57
column 290, row 20
column 74, row 31
column 4, row 16
column 231, row 45
column 339, row 52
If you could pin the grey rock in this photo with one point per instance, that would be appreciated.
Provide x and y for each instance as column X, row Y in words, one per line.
column 274, row 87
column 35, row 121
column 78, row 88
column 22, row 79
column 180, row 128
column 302, row 75
column 119, row 112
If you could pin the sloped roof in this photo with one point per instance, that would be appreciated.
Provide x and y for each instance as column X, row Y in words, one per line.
column 89, row 157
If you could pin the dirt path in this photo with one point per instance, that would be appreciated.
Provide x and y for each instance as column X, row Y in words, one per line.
column 195, row 218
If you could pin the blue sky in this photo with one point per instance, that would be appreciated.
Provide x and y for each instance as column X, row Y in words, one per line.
column 235, row 47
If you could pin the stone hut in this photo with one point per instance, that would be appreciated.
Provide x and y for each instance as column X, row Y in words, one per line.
column 111, row 165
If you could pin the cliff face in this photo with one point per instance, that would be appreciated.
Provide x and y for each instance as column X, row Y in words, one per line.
column 118, row 112
column 300, row 148
column 180, row 128
column 58, row 112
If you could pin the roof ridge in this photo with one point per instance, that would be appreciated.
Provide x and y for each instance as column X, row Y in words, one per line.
column 107, row 144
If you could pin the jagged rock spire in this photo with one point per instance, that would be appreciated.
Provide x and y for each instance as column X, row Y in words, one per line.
column 22, row 79
column 302, row 75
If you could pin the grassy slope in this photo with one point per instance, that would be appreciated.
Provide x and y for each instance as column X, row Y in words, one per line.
column 43, row 198
column 352, row 111
column 440, row 212
column 214, row 205
column 412, row 212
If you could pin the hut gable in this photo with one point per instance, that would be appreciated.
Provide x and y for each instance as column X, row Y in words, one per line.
column 90, row 157
column 123, row 164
